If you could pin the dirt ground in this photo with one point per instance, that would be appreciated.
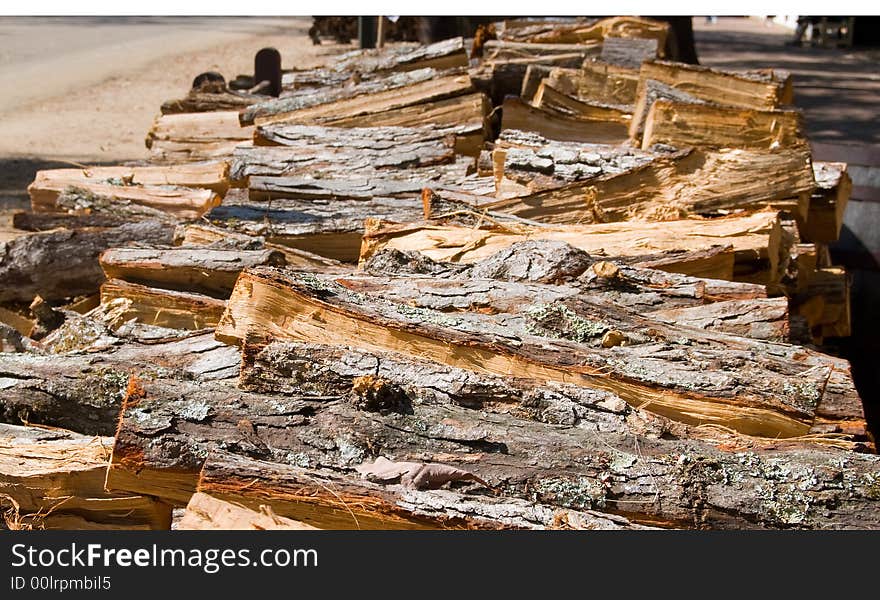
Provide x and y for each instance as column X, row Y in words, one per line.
column 89, row 88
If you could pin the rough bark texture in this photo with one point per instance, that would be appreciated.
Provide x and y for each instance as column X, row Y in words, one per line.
column 167, row 431
column 754, row 241
column 63, row 263
column 84, row 392
column 755, row 387
column 209, row 271
column 629, row 53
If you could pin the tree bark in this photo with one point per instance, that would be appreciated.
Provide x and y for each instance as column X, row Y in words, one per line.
column 63, row 263
column 167, row 430
column 774, row 392
column 208, row 271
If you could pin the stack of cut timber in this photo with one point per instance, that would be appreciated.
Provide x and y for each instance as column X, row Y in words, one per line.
column 393, row 298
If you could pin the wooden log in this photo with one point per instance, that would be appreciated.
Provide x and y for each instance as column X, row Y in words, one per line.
column 427, row 90
column 759, row 90
column 49, row 184
column 746, row 239
column 502, row 77
column 163, row 308
column 673, row 186
column 206, row 512
column 588, row 31
column 441, row 56
column 551, row 100
column 362, row 504
column 648, row 92
column 597, row 81
column 301, row 260
column 193, row 137
column 54, row 479
column 687, row 124
column 63, row 263
column 628, row 52
column 84, row 392
column 30, row 221
column 520, row 116
column 269, row 304
column 826, row 303
column 827, row 204
column 137, row 201
column 467, row 113
column 200, row 101
column 762, row 319
column 506, row 51
column 292, row 450
column 209, row 271
column 329, row 229
column 306, row 148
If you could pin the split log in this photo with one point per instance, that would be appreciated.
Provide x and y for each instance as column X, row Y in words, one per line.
column 84, row 392
column 329, row 229
column 759, row 90
column 30, row 221
column 301, row 260
column 597, row 81
column 588, row 31
column 63, row 263
column 774, row 392
column 292, row 450
column 425, row 89
column 162, row 308
column 48, row 185
column 209, row 271
column 358, row 503
column 825, row 303
column 193, row 137
column 628, row 52
column 649, row 91
column 681, row 124
column 200, row 101
column 672, row 186
column 827, row 204
column 551, row 100
column 506, row 51
column 441, row 56
column 466, row 112
column 762, row 319
column 501, row 77
column 205, row 512
column 520, row 116
column 755, row 239
column 54, row 479
column 307, row 148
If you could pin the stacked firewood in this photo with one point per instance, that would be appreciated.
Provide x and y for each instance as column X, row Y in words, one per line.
column 550, row 282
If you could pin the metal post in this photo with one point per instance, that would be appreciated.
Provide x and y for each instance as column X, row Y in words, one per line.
column 367, row 32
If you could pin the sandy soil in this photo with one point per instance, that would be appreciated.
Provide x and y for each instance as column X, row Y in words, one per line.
column 88, row 89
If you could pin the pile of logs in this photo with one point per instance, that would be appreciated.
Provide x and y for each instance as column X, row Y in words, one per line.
column 545, row 281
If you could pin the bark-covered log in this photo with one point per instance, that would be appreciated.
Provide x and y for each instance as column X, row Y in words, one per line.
column 753, row 240
column 167, row 430
column 681, row 124
column 673, row 185
column 357, row 503
column 218, row 237
column 628, row 52
column 443, row 55
column 306, row 149
column 396, row 92
column 209, row 271
column 84, row 392
column 63, row 263
column 197, row 101
column 552, row 100
column 583, row 31
column 54, row 479
column 754, row 387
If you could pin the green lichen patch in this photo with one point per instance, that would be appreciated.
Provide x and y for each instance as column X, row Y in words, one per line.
column 559, row 321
